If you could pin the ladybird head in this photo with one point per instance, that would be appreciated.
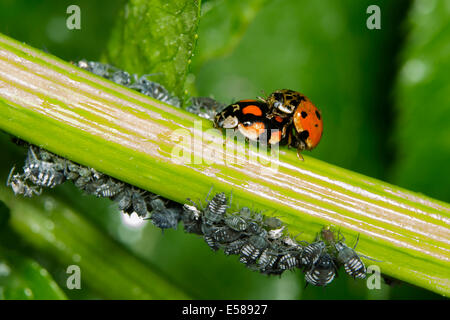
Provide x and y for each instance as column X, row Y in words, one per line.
column 284, row 101
column 308, row 125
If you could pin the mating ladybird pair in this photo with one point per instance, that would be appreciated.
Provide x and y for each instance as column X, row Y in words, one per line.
column 286, row 117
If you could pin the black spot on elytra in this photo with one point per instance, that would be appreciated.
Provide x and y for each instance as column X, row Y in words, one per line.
column 318, row 114
column 304, row 114
column 316, row 125
column 303, row 135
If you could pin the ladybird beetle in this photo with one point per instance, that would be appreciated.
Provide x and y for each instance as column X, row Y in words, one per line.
column 250, row 118
column 307, row 121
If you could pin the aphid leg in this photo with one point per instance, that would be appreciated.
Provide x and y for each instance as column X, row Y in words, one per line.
column 8, row 182
column 231, row 198
column 340, row 234
column 209, row 193
column 357, row 240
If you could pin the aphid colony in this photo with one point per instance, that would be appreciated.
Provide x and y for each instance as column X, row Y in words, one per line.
column 263, row 246
column 141, row 84
column 261, row 242
column 44, row 169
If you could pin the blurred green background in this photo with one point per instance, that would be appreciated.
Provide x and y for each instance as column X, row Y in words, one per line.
column 383, row 95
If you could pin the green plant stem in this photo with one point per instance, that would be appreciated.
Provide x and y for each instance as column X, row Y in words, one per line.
column 94, row 122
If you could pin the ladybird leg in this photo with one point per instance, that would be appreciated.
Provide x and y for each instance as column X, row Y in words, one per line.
column 299, row 155
column 289, row 139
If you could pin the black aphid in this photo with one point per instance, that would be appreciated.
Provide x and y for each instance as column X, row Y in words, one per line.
column 216, row 208
column 43, row 173
column 311, row 253
column 236, row 223
column 163, row 217
column 253, row 248
column 351, row 260
column 322, row 272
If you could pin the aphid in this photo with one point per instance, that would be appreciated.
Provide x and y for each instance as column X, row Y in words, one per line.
column 154, row 90
column 322, row 272
column 267, row 260
column 123, row 199
column 42, row 173
column 234, row 247
column 236, row 223
column 290, row 242
column 351, row 260
column 275, row 234
column 216, row 208
column 121, row 77
column 311, row 253
column 108, row 189
column 163, row 217
column 225, row 234
column 139, row 204
column 71, row 171
column 272, row 223
column 20, row 187
column 245, row 213
column 255, row 228
column 130, row 200
column 141, row 84
column 345, row 255
column 211, row 242
column 205, row 107
column 252, row 250
column 288, row 261
column 328, row 235
column 94, row 67
column 85, row 176
column 191, row 219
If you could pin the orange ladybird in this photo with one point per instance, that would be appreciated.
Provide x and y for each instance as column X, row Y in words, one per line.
column 304, row 125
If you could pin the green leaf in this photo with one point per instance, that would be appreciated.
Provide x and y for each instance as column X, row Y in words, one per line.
column 23, row 278
column 156, row 37
column 223, row 24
